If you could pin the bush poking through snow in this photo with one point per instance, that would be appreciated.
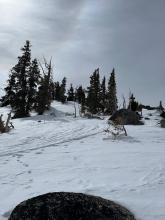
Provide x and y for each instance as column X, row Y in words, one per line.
column 5, row 126
column 116, row 127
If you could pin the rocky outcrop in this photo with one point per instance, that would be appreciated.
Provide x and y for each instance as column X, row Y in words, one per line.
column 69, row 206
column 127, row 117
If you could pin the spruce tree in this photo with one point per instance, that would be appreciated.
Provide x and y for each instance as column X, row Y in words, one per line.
column 9, row 91
column 80, row 97
column 71, row 95
column 93, row 93
column 63, row 90
column 133, row 105
column 111, row 94
column 33, row 82
column 57, row 91
column 103, row 94
column 19, row 78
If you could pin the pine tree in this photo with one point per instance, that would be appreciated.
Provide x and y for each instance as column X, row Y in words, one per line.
column 57, row 91
column 71, row 95
column 133, row 105
column 161, row 109
column 111, row 94
column 103, row 94
column 44, row 96
column 9, row 91
column 33, row 82
column 19, row 89
column 93, row 93
column 63, row 90
column 80, row 97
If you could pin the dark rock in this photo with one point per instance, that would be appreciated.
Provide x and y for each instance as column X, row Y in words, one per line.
column 146, row 118
column 162, row 123
column 162, row 114
column 127, row 117
column 69, row 206
column 148, row 107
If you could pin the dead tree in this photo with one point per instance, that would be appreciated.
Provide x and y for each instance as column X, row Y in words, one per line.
column 75, row 115
column 116, row 127
column 124, row 102
column 6, row 126
column 44, row 96
column 2, row 125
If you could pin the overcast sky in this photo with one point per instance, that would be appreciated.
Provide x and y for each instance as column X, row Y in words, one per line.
column 82, row 35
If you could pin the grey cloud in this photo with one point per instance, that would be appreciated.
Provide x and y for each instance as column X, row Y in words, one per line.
column 82, row 35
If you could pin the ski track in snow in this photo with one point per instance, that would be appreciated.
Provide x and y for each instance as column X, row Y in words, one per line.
column 65, row 133
column 61, row 153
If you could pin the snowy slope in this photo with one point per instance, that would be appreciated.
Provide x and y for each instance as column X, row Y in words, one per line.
column 57, row 152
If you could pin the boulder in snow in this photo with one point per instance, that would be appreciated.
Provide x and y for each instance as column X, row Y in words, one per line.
column 162, row 123
column 162, row 114
column 127, row 117
column 69, row 206
column 147, row 118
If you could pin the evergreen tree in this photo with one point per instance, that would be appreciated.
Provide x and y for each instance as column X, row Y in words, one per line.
column 71, row 95
column 21, row 90
column 93, row 93
column 19, row 87
column 44, row 96
column 103, row 94
column 111, row 94
column 63, row 90
column 80, row 97
column 57, row 91
column 133, row 105
column 33, row 82
column 9, row 91
column 161, row 109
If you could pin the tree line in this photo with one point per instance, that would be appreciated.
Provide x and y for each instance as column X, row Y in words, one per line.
column 31, row 86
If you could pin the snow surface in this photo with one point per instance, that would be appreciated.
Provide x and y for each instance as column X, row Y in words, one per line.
column 57, row 152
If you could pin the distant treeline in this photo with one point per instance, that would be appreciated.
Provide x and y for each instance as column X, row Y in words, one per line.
column 31, row 86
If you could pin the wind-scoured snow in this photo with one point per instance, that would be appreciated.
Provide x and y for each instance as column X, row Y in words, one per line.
column 57, row 152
